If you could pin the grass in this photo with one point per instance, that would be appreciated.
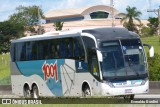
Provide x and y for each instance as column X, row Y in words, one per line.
column 5, row 69
column 154, row 41
column 85, row 105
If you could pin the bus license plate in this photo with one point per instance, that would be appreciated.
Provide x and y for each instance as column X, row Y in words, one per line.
column 128, row 90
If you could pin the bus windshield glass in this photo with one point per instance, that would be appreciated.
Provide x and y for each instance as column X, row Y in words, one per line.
column 123, row 59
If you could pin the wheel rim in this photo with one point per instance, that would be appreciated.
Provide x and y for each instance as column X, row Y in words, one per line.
column 35, row 95
column 87, row 92
column 35, row 92
column 26, row 93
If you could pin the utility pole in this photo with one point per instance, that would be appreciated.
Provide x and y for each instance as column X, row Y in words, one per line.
column 150, row 7
column 112, row 12
column 157, row 12
column 39, row 21
column 159, row 20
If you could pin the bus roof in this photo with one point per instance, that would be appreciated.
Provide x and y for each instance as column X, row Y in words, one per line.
column 99, row 33
column 111, row 33
column 43, row 37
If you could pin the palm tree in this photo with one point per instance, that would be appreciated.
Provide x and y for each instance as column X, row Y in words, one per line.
column 129, row 17
column 58, row 25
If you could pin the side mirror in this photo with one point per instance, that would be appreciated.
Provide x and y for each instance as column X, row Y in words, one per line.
column 151, row 49
column 99, row 55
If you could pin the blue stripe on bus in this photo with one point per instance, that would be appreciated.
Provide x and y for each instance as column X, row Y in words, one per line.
column 28, row 68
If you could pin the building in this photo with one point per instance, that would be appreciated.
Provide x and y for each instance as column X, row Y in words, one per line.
column 85, row 17
column 84, row 13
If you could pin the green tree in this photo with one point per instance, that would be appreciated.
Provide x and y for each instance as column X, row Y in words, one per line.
column 9, row 31
column 129, row 17
column 145, row 31
column 153, row 25
column 154, row 67
column 27, row 16
column 58, row 25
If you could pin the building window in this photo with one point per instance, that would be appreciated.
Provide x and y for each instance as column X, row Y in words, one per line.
column 99, row 15
column 65, row 19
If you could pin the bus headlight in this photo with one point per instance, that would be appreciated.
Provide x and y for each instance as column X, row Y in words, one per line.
column 109, row 83
column 144, row 81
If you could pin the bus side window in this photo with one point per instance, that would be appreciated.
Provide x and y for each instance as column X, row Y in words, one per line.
column 91, row 56
column 23, row 53
column 63, row 50
column 52, row 51
column 34, row 51
column 76, row 50
column 40, row 50
column 20, row 54
column 12, row 52
column 79, row 53
column 57, row 53
column 93, row 64
column 70, row 49
column 28, row 51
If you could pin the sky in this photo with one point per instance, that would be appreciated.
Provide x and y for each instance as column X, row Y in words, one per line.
column 7, row 7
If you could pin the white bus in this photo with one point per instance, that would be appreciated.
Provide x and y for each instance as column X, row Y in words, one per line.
column 88, row 62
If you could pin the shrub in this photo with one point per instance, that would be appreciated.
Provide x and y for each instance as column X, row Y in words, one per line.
column 154, row 67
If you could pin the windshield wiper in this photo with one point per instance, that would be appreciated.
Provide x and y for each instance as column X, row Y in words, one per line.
column 136, row 72
column 131, row 64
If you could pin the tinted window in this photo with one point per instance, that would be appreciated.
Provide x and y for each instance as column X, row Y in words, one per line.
column 99, row 14
column 89, row 44
column 79, row 53
column 68, row 48
column 20, row 51
column 29, row 51
column 12, row 52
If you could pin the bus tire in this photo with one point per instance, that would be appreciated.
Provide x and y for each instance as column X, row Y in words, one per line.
column 26, row 92
column 130, row 97
column 86, row 91
column 35, row 92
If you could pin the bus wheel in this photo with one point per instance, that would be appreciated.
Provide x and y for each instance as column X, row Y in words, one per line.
column 26, row 92
column 35, row 92
column 130, row 97
column 86, row 91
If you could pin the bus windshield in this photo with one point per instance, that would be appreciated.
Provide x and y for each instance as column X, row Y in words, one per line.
column 123, row 59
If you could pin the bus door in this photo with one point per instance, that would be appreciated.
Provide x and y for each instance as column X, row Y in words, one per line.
column 93, row 64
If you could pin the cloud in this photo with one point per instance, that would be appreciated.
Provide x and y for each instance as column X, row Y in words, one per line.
column 7, row 7
column 105, row 2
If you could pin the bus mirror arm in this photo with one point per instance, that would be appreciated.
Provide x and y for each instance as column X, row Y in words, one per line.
column 95, row 48
column 151, row 49
column 99, row 55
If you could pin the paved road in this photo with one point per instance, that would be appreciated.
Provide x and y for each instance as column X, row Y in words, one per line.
column 147, row 96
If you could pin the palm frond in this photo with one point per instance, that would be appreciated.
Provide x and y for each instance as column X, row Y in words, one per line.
column 124, row 19
column 121, row 14
column 138, row 20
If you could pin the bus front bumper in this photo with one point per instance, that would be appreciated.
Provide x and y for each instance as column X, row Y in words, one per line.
column 114, row 91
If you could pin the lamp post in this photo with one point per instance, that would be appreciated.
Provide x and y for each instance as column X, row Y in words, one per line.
column 159, row 21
